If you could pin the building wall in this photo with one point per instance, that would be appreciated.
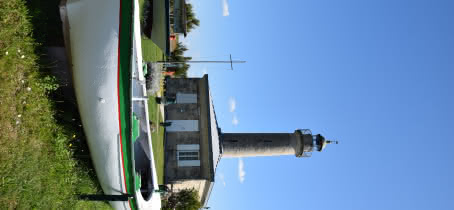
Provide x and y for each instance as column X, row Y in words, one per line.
column 182, row 112
column 183, row 85
column 173, row 173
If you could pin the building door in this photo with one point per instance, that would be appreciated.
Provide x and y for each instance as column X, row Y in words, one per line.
column 188, row 155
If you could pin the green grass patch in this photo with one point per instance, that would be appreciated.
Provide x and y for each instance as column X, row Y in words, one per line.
column 157, row 138
column 153, row 48
column 37, row 169
column 159, row 32
column 141, row 5
column 150, row 51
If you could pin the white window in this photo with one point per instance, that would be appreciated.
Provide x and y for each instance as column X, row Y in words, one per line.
column 182, row 125
column 186, row 98
column 188, row 155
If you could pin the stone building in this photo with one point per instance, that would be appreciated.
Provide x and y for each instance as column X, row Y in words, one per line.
column 192, row 149
column 194, row 143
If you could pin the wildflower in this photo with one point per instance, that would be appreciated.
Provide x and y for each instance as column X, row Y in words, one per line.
column 23, row 56
column 22, row 81
column 70, row 145
column 6, row 53
column 74, row 136
column 17, row 122
column 29, row 88
column 18, row 50
column 19, row 115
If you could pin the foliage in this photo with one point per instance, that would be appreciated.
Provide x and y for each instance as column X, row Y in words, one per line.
column 37, row 167
column 178, row 55
column 191, row 21
column 146, row 17
column 48, row 84
column 187, row 199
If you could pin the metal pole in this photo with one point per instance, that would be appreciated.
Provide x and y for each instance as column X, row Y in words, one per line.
column 183, row 62
column 231, row 61
column 124, row 197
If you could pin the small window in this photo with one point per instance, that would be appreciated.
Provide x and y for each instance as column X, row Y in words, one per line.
column 181, row 153
column 188, row 158
column 186, row 98
column 188, row 155
column 182, row 125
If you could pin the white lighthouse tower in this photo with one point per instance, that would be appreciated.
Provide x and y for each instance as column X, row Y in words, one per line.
column 300, row 143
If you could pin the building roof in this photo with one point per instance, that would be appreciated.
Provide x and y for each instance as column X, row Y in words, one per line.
column 179, row 17
column 216, row 148
column 213, row 131
column 214, row 142
column 207, row 194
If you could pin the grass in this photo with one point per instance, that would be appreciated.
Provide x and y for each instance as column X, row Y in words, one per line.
column 150, row 51
column 38, row 169
column 141, row 5
column 159, row 33
column 157, row 138
column 44, row 160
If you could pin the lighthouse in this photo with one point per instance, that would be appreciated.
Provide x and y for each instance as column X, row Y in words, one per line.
column 300, row 143
column 195, row 144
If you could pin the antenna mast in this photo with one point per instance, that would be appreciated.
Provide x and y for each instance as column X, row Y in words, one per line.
column 183, row 62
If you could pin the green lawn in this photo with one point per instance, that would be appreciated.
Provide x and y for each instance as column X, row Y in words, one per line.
column 152, row 49
column 141, row 5
column 42, row 162
column 157, row 138
column 159, row 34
column 151, row 52
column 37, row 169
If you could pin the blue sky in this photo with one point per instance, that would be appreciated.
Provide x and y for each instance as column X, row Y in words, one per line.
column 376, row 75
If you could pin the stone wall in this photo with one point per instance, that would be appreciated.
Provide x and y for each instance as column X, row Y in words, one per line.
column 185, row 111
column 172, row 172
column 182, row 112
column 182, row 85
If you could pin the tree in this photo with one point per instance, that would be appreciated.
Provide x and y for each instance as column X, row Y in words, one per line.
column 191, row 21
column 178, row 51
column 187, row 199
column 178, row 55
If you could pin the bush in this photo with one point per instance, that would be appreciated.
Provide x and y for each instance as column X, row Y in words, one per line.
column 187, row 199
